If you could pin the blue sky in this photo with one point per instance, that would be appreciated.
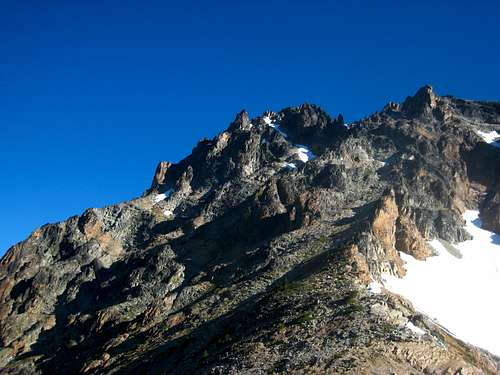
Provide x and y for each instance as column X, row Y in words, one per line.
column 94, row 94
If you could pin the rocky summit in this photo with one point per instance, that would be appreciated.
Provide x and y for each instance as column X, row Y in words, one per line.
column 264, row 252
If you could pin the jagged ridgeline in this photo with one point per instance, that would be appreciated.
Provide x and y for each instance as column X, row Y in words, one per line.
column 267, row 251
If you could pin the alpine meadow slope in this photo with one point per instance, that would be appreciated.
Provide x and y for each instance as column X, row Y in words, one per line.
column 289, row 243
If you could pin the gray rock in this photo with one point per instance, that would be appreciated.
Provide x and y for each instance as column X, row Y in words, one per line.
column 247, row 266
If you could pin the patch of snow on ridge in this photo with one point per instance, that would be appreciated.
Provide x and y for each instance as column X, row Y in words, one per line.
column 412, row 327
column 304, row 153
column 273, row 125
column 490, row 137
column 461, row 294
column 161, row 197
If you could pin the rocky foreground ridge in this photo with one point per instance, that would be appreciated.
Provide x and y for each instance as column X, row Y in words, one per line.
column 254, row 254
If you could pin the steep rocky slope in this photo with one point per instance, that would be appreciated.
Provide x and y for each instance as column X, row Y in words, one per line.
column 257, row 253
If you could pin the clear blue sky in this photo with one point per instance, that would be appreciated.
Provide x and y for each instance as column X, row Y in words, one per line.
column 94, row 93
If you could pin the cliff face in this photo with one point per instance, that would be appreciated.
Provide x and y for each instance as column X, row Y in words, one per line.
column 254, row 253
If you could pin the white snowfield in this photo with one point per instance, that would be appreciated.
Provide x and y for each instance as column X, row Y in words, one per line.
column 304, row 154
column 461, row 294
column 490, row 137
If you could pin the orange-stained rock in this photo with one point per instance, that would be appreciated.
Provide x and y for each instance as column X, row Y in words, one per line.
column 384, row 221
column 383, row 226
column 358, row 263
column 410, row 241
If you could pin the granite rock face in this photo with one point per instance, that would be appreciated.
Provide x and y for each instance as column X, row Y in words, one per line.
column 253, row 254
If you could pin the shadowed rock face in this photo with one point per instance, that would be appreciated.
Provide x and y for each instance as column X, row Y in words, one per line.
column 243, row 259
column 490, row 212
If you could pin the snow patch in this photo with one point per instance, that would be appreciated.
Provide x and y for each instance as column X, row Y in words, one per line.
column 412, row 327
column 375, row 287
column 168, row 213
column 290, row 165
column 161, row 197
column 273, row 125
column 304, row 153
column 267, row 120
column 460, row 293
column 490, row 137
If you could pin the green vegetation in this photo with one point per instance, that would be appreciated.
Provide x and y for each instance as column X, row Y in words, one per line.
column 351, row 303
column 290, row 288
column 352, row 297
column 305, row 317
column 282, row 327
column 352, row 309
column 318, row 244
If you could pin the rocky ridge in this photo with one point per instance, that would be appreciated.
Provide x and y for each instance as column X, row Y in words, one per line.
column 255, row 253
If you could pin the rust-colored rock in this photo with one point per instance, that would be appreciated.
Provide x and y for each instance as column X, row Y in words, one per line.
column 409, row 240
column 383, row 226
column 358, row 263
column 384, row 220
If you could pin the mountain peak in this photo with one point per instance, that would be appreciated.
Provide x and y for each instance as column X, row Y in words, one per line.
column 309, row 123
column 241, row 121
column 421, row 104
column 286, row 228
